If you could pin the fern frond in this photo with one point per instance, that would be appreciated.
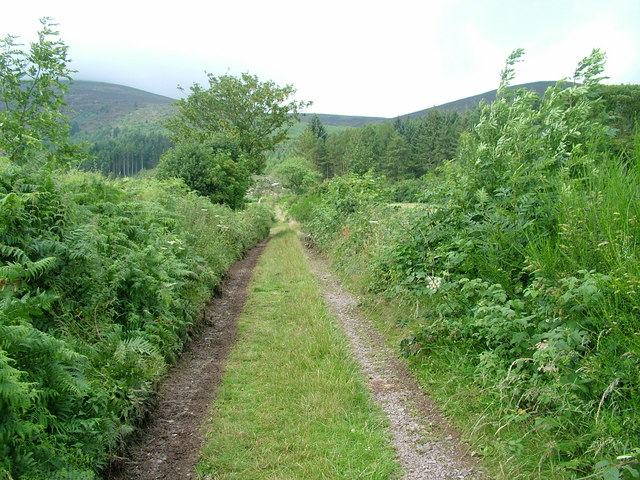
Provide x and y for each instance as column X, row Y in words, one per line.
column 13, row 391
column 14, row 252
column 137, row 345
column 9, row 200
column 10, row 273
column 79, row 242
column 37, row 269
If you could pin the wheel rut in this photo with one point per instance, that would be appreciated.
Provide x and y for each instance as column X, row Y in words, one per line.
column 428, row 448
column 170, row 443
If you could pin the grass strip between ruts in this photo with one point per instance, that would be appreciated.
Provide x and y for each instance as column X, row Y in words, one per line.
column 293, row 404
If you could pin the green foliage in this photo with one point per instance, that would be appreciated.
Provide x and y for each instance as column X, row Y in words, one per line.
column 99, row 110
column 342, row 200
column 100, row 281
column 297, row 174
column 522, row 263
column 253, row 114
column 406, row 149
column 313, row 149
column 316, row 127
column 215, row 169
column 393, row 162
column 623, row 104
column 32, row 97
column 222, row 134
column 408, row 191
column 126, row 152
column 624, row 466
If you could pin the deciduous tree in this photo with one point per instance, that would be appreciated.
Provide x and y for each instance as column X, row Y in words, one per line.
column 33, row 84
column 252, row 113
column 297, row 173
column 216, row 169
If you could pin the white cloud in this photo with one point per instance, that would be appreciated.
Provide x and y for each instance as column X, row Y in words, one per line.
column 350, row 56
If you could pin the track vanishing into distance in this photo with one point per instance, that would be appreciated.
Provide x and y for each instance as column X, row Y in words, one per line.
column 426, row 446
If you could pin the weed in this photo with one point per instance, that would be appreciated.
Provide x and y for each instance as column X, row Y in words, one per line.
column 529, row 234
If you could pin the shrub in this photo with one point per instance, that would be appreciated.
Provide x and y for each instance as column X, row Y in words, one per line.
column 101, row 283
column 216, row 170
column 522, row 262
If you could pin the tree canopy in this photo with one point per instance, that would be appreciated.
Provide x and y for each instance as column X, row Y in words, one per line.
column 224, row 131
column 34, row 83
column 215, row 169
column 252, row 113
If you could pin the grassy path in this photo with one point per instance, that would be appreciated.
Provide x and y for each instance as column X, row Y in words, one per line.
column 293, row 404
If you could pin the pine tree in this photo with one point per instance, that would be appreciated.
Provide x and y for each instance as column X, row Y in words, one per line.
column 317, row 128
column 395, row 158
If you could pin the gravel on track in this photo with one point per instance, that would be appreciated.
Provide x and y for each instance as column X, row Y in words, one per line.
column 428, row 448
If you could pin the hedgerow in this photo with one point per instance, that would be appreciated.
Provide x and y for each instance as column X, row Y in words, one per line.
column 523, row 264
column 101, row 282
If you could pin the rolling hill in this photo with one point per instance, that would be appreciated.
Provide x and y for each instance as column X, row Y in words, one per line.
column 468, row 103
column 99, row 106
column 460, row 106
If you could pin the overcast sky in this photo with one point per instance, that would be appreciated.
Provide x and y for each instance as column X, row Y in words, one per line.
column 350, row 57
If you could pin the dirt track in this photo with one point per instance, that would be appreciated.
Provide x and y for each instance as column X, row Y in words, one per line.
column 170, row 444
column 427, row 447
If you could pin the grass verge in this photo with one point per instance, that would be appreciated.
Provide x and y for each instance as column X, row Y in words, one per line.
column 506, row 450
column 293, row 403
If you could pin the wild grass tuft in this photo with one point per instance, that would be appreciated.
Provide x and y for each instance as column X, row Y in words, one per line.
column 292, row 403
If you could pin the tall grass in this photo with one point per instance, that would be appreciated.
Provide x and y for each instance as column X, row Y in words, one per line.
column 292, row 403
column 523, row 272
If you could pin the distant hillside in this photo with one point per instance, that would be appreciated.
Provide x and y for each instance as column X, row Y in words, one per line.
column 97, row 106
column 344, row 120
column 461, row 106
column 468, row 103
column 102, row 107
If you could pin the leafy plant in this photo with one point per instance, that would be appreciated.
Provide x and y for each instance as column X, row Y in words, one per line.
column 100, row 281
column 521, row 264
column 252, row 113
column 34, row 83
column 297, row 174
column 215, row 169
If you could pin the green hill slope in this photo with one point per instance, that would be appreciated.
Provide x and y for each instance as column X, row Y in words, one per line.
column 98, row 106
column 468, row 103
column 344, row 120
column 461, row 106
